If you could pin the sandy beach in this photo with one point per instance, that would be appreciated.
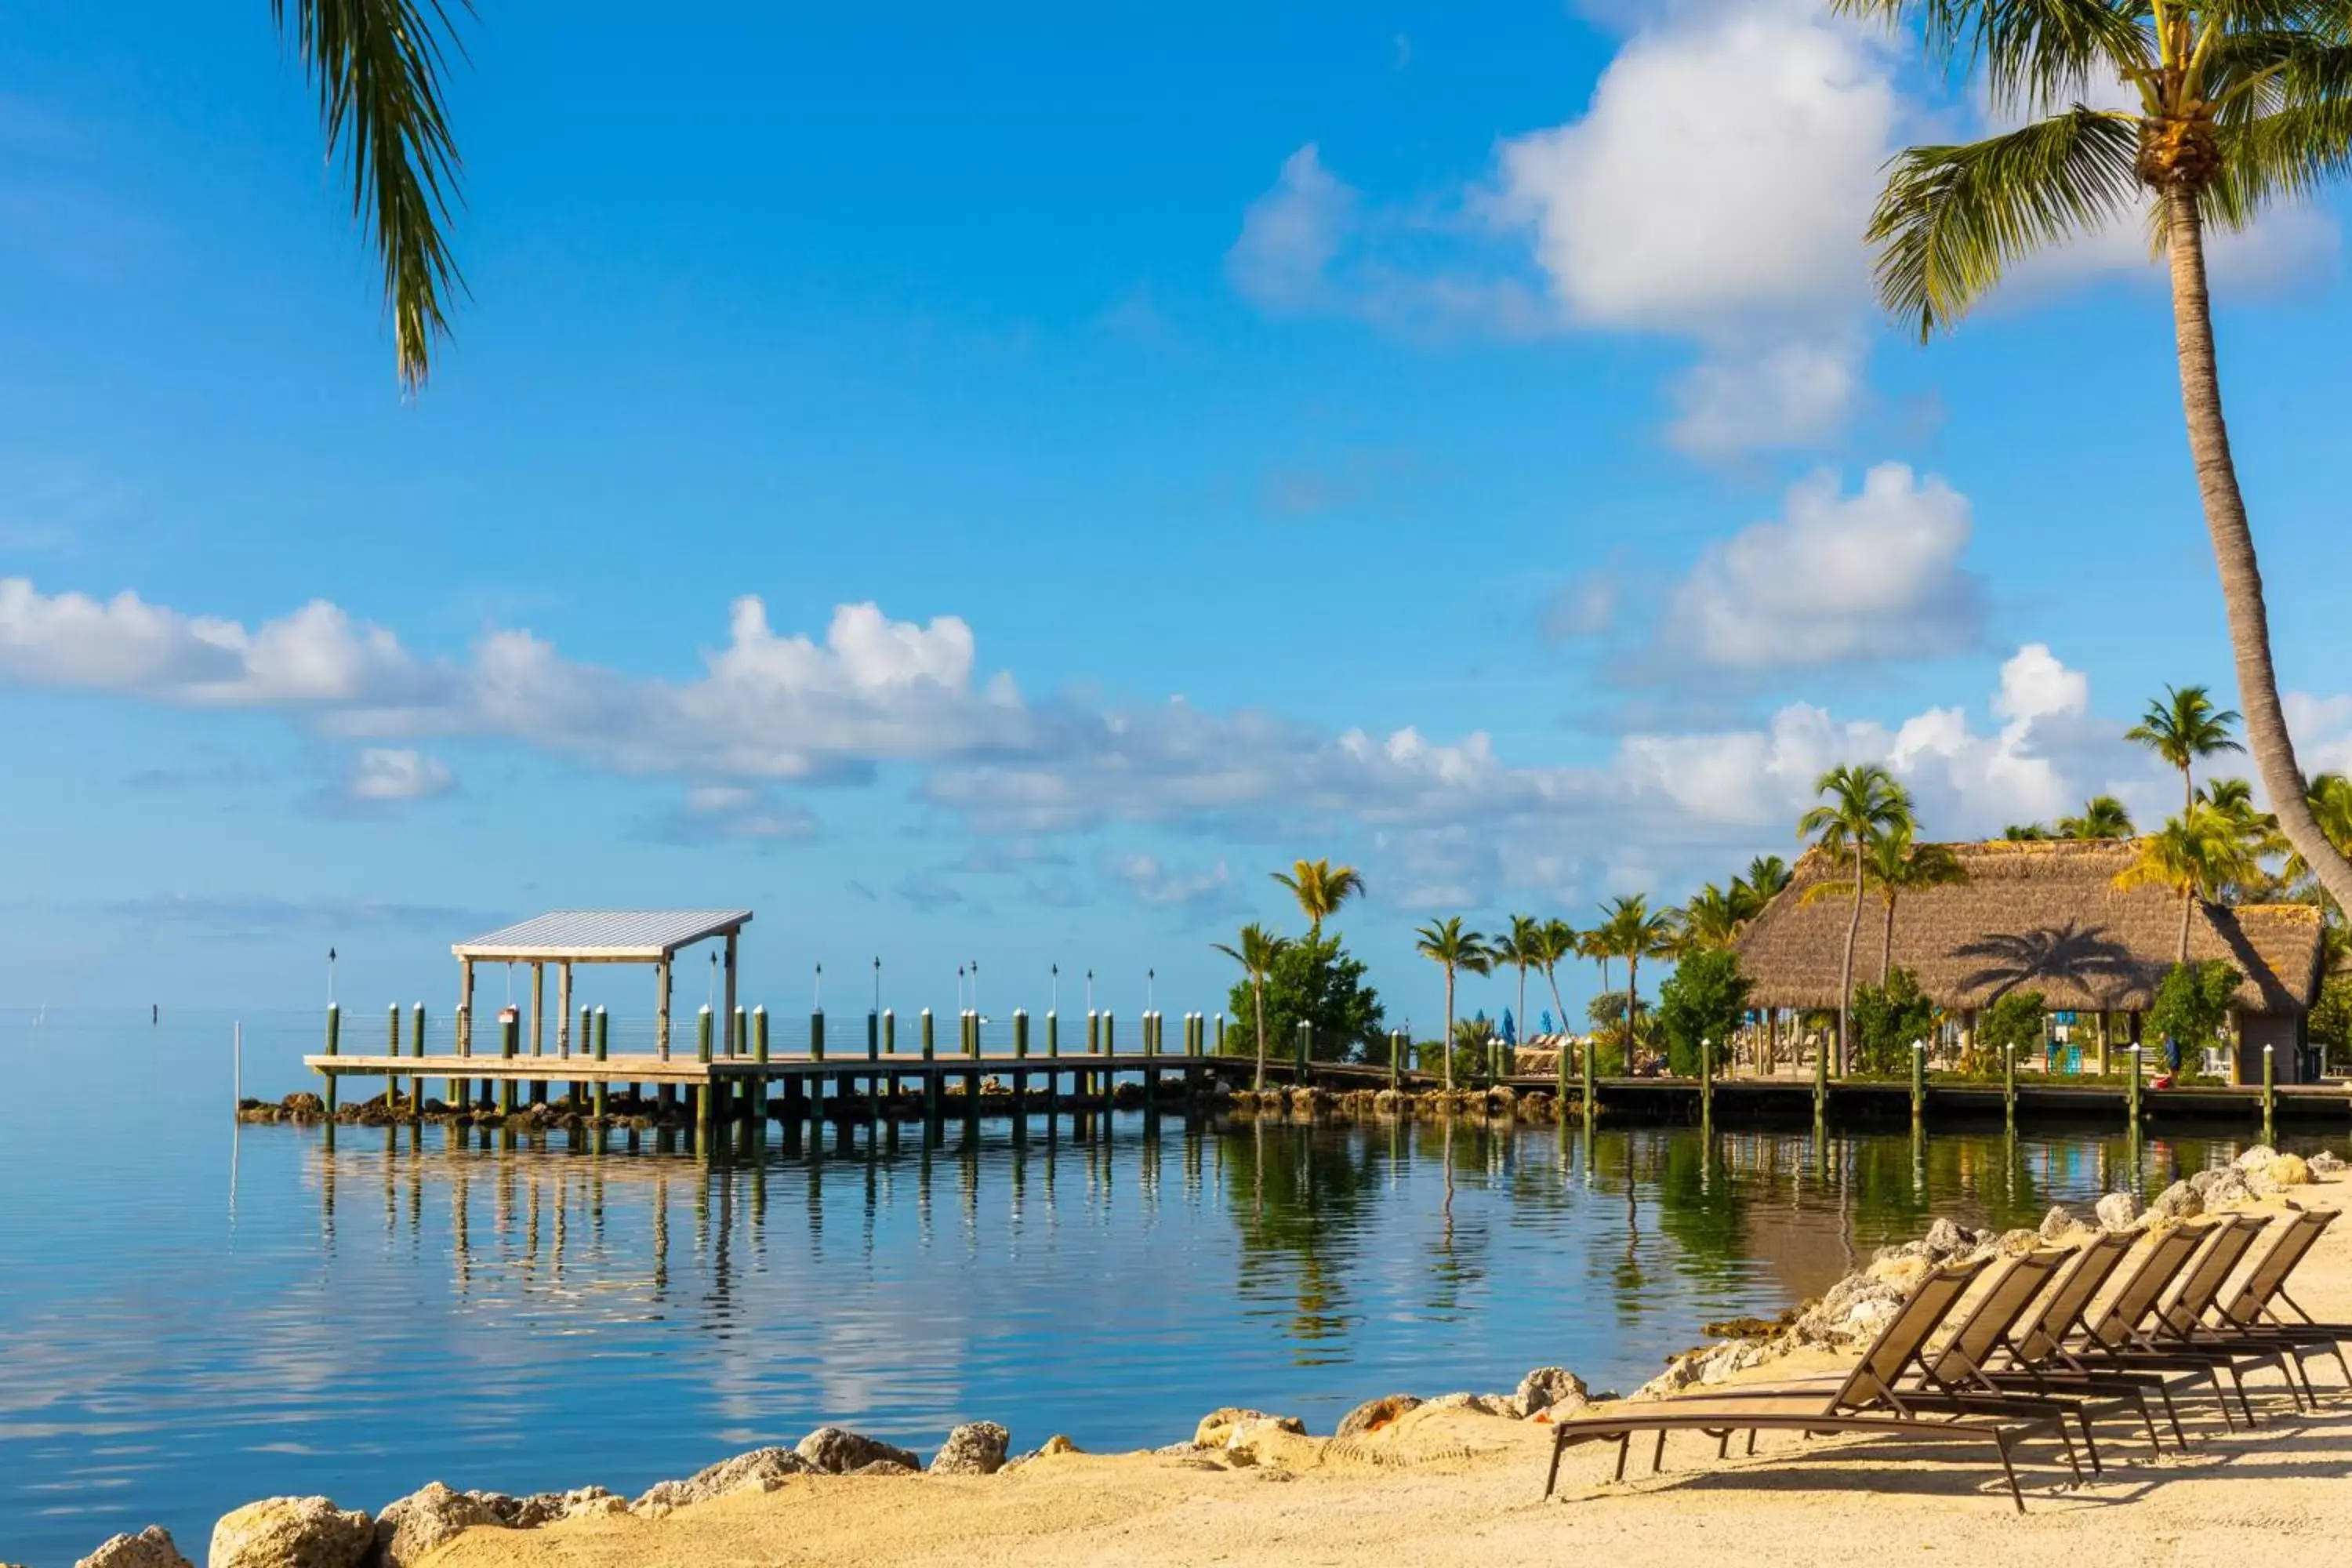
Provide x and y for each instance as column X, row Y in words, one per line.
column 1443, row 1486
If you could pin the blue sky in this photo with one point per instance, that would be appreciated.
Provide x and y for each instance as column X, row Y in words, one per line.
column 1460, row 445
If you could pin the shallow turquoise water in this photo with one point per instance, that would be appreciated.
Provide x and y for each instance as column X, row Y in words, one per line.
column 193, row 1315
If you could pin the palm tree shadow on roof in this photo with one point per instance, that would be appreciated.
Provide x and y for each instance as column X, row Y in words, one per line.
column 2084, row 957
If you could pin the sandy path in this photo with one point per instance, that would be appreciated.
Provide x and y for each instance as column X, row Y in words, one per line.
column 1457, row 1487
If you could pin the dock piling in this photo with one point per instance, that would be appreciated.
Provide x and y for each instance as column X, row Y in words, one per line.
column 2008, row 1084
column 1706, row 1082
column 603, row 1038
column 2270, row 1090
column 334, row 1048
column 509, row 1046
column 1918, row 1083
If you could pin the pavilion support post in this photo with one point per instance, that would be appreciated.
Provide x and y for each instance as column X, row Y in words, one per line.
column 539, row 1028
column 661, row 1009
column 463, row 1026
column 564, row 1010
column 509, row 1046
column 735, row 1042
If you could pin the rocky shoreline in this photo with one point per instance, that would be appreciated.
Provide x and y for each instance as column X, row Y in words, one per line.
column 314, row 1533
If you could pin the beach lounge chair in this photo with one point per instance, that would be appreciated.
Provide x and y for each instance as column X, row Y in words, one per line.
column 1870, row 1401
column 2254, row 1308
column 1957, row 1376
column 2142, row 1327
column 2033, row 1355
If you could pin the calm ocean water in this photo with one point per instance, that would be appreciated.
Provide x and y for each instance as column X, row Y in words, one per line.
column 193, row 1315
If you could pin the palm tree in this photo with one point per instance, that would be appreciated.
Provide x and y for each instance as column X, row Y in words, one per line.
column 1894, row 863
column 1711, row 916
column 1560, row 941
column 2197, row 855
column 1765, row 877
column 377, row 67
column 2103, row 816
column 2182, row 730
column 1321, row 888
column 1463, row 952
column 2331, row 806
column 1256, row 954
column 1861, row 804
column 2238, row 104
column 2026, row 833
column 1633, row 931
column 1522, row 948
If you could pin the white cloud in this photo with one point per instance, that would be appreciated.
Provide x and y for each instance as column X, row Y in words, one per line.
column 1160, row 885
column 1870, row 577
column 1726, row 166
column 317, row 654
column 1742, row 397
column 385, row 773
column 1291, row 235
column 1442, row 820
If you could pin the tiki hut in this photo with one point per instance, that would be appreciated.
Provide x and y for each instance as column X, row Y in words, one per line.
column 2042, row 916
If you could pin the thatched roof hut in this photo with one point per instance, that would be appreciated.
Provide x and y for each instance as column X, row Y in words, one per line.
column 2039, row 916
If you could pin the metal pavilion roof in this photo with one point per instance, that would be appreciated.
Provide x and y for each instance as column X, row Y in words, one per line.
column 621, row 936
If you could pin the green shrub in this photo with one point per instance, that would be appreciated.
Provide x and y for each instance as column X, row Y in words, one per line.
column 2014, row 1021
column 1315, row 980
column 2192, row 1002
column 1886, row 1020
column 1704, row 999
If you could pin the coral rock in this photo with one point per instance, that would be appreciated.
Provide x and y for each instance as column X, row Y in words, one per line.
column 291, row 1533
column 151, row 1548
column 974, row 1449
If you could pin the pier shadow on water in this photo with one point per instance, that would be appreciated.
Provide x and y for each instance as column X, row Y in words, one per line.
column 198, row 1315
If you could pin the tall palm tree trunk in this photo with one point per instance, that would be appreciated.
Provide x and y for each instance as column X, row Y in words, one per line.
column 2233, row 550
column 1257, row 986
column 2188, row 905
column 1845, row 972
column 1886, row 942
column 1633, row 1000
column 1448, row 1045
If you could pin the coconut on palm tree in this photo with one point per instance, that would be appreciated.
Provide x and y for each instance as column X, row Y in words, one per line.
column 1444, row 942
column 1257, row 952
column 2103, row 817
column 1861, row 804
column 2196, row 854
column 1321, row 888
column 2233, row 107
column 377, row 65
column 2183, row 730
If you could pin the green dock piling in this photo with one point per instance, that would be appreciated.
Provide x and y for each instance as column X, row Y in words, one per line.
column 603, row 1048
column 931, row 1076
column 1306, row 1048
column 2131, row 1091
column 1706, row 1082
column 1820, row 1084
column 2008, row 1085
column 1052, row 1033
column 1586, row 1066
column 1918, row 1083
column 1019, row 1034
column 2270, row 1090
column 509, row 1046
column 416, row 1084
column 334, row 1048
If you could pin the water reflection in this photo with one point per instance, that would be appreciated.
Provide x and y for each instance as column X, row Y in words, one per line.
column 519, row 1311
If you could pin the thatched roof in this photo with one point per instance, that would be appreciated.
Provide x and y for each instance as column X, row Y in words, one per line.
column 2040, row 916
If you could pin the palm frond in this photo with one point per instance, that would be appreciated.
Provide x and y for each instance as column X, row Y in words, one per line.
column 2033, row 53
column 377, row 65
column 1954, row 218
